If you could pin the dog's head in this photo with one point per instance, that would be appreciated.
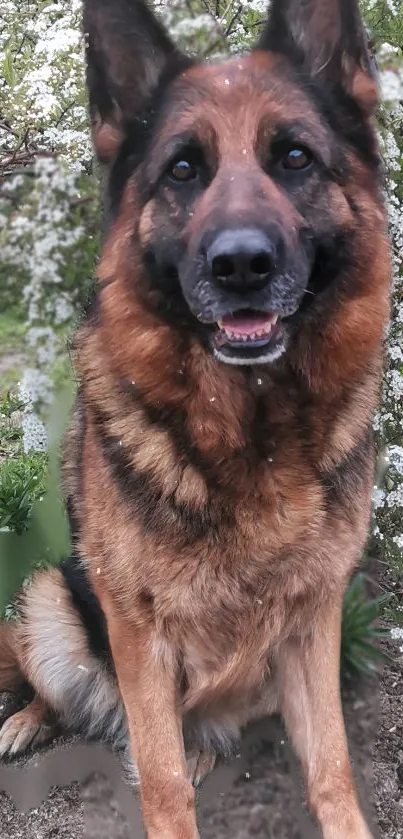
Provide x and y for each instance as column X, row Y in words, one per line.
column 254, row 179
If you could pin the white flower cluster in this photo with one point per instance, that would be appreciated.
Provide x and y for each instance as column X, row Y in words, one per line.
column 45, row 243
column 389, row 421
column 34, row 432
column 396, row 457
column 39, row 237
column 35, row 388
column 41, row 86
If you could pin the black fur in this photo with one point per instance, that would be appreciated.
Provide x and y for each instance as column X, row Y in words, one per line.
column 87, row 605
column 157, row 511
column 174, row 422
column 73, row 568
column 318, row 66
column 138, row 135
column 346, row 482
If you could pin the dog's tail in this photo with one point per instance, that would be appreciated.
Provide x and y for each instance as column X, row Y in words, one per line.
column 11, row 676
column 56, row 656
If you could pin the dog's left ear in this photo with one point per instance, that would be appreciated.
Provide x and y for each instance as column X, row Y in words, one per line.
column 127, row 53
column 325, row 38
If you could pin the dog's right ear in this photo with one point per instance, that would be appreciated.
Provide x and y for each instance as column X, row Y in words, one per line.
column 127, row 53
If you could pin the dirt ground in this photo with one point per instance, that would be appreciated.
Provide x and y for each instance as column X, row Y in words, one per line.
column 258, row 795
column 388, row 754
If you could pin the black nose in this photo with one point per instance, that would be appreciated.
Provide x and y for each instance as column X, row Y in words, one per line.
column 241, row 259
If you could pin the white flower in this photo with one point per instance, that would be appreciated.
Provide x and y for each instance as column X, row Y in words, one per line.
column 391, row 82
column 378, row 498
column 395, row 497
column 34, row 432
column 35, row 387
column 396, row 457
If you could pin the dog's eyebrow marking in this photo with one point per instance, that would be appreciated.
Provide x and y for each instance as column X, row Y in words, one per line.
column 303, row 133
column 178, row 142
column 202, row 140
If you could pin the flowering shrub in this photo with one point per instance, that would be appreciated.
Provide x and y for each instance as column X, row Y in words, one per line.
column 49, row 244
column 49, row 203
column 388, row 530
column 41, row 86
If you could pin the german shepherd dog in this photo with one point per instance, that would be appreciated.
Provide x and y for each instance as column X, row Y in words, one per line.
column 219, row 466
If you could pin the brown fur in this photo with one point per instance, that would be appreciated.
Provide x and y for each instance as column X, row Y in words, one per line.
column 11, row 678
column 220, row 514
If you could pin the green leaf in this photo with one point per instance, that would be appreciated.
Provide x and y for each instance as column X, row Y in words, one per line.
column 359, row 655
column 8, row 69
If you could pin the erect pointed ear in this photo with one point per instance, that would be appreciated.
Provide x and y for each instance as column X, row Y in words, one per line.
column 327, row 39
column 127, row 53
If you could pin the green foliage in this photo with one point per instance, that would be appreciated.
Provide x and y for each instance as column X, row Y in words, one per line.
column 22, row 475
column 33, row 520
column 12, row 330
column 21, row 484
column 360, row 655
column 10, row 430
column 8, row 69
column 382, row 23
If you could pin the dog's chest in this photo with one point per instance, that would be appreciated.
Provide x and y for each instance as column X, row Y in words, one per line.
column 225, row 621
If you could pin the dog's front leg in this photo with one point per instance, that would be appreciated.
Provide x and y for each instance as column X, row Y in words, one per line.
column 147, row 681
column 309, row 678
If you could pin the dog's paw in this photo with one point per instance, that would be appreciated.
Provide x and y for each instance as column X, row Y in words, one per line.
column 199, row 765
column 10, row 703
column 26, row 728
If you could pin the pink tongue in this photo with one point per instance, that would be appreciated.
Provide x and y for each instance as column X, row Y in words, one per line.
column 247, row 325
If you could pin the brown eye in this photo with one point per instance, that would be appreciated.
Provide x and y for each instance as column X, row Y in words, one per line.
column 183, row 170
column 297, row 158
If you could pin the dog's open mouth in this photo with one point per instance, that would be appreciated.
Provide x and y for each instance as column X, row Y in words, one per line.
column 249, row 337
column 247, row 328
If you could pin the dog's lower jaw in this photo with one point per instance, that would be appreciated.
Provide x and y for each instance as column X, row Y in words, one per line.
column 265, row 358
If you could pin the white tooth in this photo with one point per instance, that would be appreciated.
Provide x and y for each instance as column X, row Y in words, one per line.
column 274, row 319
column 220, row 324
